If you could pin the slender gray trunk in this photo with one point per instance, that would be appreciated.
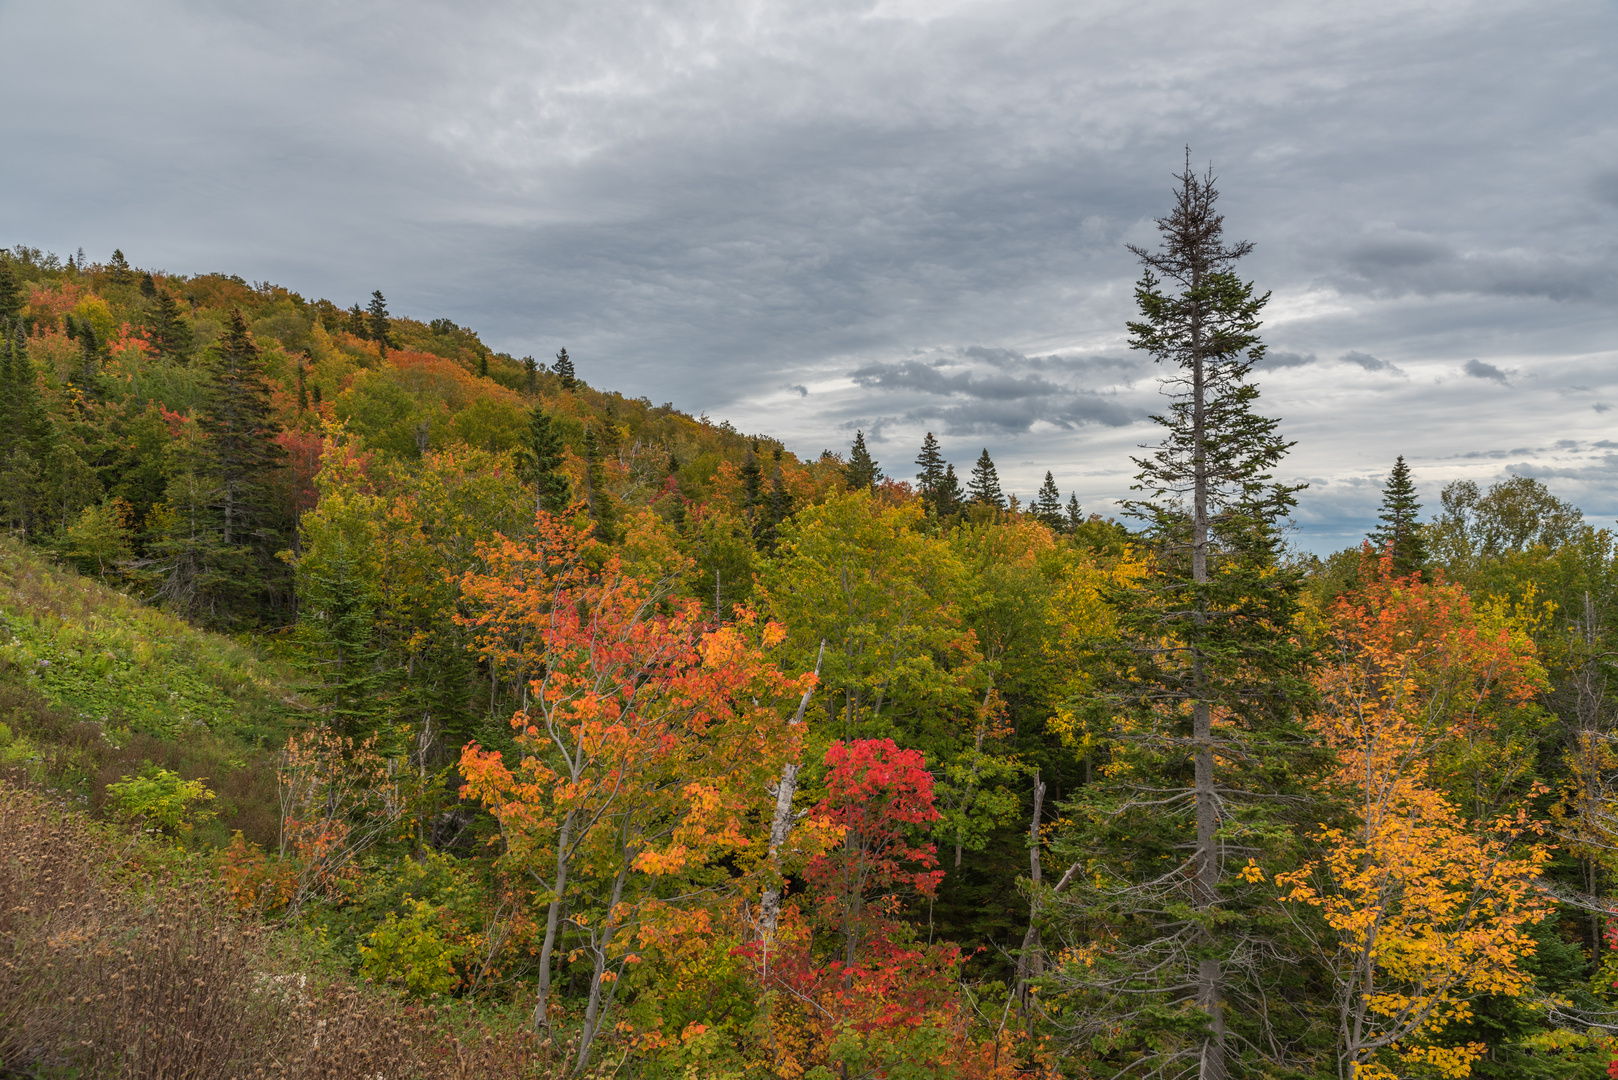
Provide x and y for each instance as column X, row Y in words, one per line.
column 600, row 995
column 553, row 918
column 1210, row 979
column 781, row 827
column 1031, row 961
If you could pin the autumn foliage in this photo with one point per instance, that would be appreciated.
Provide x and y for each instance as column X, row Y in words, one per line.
column 1428, row 908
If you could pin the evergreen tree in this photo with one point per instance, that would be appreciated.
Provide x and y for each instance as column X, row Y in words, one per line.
column 599, row 499
column 148, row 287
column 358, row 325
column 530, row 368
column 27, row 438
column 984, row 486
column 1209, row 635
column 1048, row 503
column 167, row 329
column 337, row 619
column 553, row 492
column 1401, row 532
column 119, row 266
column 483, row 365
column 780, row 501
column 564, row 368
column 10, row 298
column 221, row 555
column 377, row 323
column 87, row 380
column 931, row 476
column 1075, row 516
column 303, row 389
column 752, row 475
column 862, row 470
column 949, row 497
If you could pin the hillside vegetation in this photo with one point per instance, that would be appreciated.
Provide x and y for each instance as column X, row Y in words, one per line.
column 648, row 747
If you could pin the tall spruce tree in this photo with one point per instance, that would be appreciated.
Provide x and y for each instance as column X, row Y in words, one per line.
column 337, row 627
column 950, row 496
column 167, row 329
column 553, row 492
column 377, row 324
column 1205, row 698
column 780, row 503
column 564, row 370
column 931, row 476
column 10, row 297
column 602, row 510
column 984, row 485
column 862, row 470
column 27, row 437
column 1048, row 503
column 1401, row 530
column 1075, row 516
column 231, row 521
column 357, row 324
column 530, row 371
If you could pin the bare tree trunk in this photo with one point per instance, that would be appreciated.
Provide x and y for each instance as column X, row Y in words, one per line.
column 553, row 917
column 1210, row 979
column 1031, row 961
column 781, row 826
column 600, row 995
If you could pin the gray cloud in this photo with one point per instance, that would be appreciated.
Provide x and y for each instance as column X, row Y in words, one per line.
column 1369, row 362
column 713, row 201
column 1280, row 358
column 1477, row 369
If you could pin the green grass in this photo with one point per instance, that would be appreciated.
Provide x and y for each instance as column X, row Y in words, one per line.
column 94, row 685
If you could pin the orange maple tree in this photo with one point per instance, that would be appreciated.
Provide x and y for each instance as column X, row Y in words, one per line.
column 647, row 739
column 1428, row 907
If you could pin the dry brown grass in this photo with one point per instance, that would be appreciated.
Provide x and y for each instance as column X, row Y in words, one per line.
column 110, row 971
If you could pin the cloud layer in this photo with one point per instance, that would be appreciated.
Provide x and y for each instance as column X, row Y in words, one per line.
column 892, row 216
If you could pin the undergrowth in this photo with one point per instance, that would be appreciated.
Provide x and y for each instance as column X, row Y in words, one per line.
column 119, row 958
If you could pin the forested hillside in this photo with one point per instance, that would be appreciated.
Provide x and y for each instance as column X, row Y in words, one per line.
column 698, row 759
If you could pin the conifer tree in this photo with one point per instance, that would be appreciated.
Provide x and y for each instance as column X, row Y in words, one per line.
column 553, row 492
column 167, row 329
column 564, row 369
column 377, row 323
column 950, row 497
column 221, row 554
column 10, row 298
column 1206, row 694
column 984, row 486
column 303, row 389
column 119, row 266
column 358, row 325
column 530, row 368
column 780, row 500
column 1075, row 516
column 337, row 623
column 27, row 438
column 88, row 377
column 1401, row 531
column 148, row 287
column 752, row 476
column 1048, row 503
column 602, row 511
column 931, row 476
column 862, row 470
column 483, row 365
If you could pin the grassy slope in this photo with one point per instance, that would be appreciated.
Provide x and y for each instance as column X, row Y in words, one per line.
column 94, row 685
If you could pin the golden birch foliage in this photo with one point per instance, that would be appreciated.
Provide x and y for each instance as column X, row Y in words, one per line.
column 1428, row 909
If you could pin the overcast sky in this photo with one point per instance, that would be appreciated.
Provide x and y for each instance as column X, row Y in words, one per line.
column 903, row 216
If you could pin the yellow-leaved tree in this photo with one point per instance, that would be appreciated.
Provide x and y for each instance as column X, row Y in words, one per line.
column 1425, row 908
